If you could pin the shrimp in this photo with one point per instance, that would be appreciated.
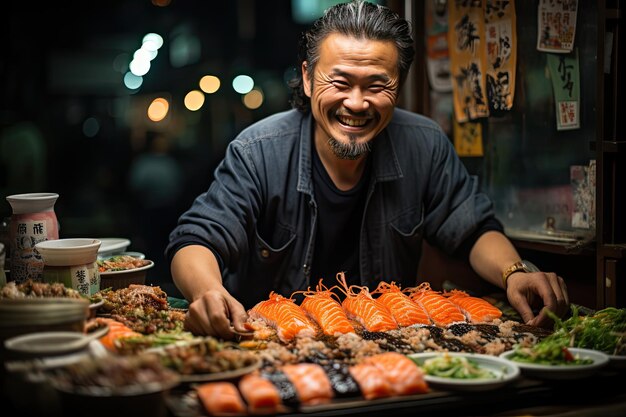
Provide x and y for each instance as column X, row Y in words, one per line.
column 406, row 311
column 475, row 309
column 325, row 310
column 285, row 316
column 373, row 315
column 441, row 311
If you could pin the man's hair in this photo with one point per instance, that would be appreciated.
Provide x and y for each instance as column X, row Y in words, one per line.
column 359, row 19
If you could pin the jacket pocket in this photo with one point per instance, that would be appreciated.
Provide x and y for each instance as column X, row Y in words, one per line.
column 268, row 254
column 405, row 248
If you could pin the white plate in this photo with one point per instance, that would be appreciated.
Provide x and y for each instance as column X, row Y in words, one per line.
column 111, row 246
column 599, row 359
column 504, row 371
column 53, row 343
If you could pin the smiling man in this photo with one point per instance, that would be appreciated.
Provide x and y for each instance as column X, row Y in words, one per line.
column 344, row 182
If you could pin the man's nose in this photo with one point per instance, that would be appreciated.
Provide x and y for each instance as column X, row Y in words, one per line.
column 356, row 101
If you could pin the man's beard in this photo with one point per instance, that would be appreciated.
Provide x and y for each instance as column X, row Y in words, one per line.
column 351, row 150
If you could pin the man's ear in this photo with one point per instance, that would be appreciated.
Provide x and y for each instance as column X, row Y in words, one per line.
column 306, row 81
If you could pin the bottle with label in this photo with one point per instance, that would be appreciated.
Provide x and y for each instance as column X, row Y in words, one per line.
column 33, row 220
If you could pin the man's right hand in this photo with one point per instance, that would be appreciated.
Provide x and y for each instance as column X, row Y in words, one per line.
column 217, row 313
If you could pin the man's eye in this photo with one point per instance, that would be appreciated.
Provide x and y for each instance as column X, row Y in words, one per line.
column 376, row 88
column 340, row 84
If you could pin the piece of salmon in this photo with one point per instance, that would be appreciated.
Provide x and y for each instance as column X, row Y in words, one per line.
column 476, row 310
column 405, row 311
column 441, row 311
column 285, row 316
column 117, row 331
column 371, row 381
column 361, row 307
column 260, row 394
column 221, row 399
column 403, row 375
column 326, row 311
column 311, row 382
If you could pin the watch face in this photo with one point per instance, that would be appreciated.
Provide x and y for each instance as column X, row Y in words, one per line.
column 530, row 267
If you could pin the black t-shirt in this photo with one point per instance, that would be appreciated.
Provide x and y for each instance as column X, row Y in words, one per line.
column 338, row 226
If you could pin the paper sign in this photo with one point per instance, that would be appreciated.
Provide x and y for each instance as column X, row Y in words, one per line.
column 556, row 25
column 468, row 139
column 437, row 55
column 468, row 59
column 566, row 85
column 501, row 50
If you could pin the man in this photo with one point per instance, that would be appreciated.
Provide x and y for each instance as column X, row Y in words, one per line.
column 344, row 182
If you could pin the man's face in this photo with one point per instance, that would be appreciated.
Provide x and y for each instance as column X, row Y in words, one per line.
column 353, row 92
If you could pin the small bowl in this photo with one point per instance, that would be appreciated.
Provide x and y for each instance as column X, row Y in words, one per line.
column 122, row 279
column 41, row 344
column 112, row 246
column 68, row 252
column 95, row 387
column 29, row 315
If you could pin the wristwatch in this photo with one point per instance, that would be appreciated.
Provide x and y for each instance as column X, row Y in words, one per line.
column 523, row 266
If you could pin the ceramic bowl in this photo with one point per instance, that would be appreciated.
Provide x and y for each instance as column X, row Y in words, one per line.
column 72, row 262
column 112, row 246
column 122, row 279
column 67, row 252
column 115, row 386
column 30, row 315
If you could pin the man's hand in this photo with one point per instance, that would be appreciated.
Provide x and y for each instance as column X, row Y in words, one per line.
column 528, row 290
column 216, row 313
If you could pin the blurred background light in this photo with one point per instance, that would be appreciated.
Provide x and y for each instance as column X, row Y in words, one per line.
column 253, row 100
column 243, row 84
column 194, row 100
column 158, row 109
column 91, row 127
column 210, row 84
column 132, row 81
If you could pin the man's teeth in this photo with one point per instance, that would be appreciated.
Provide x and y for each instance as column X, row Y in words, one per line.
column 352, row 122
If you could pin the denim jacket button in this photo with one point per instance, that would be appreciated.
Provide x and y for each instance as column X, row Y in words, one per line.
column 265, row 253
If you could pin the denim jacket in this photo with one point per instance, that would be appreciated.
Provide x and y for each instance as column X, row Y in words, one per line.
column 259, row 214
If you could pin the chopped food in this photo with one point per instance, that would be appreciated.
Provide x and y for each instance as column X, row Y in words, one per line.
column 35, row 289
column 547, row 352
column 121, row 263
column 457, row 367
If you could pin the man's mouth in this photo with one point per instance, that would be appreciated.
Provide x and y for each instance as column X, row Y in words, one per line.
column 352, row 122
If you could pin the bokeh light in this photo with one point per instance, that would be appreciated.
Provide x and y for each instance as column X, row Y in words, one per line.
column 194, row 100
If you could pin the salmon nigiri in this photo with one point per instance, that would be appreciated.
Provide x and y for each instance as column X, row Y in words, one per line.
column 363, row 308
column 371, row 381
column 312, row 384
column 221, row 399
column 326, row 311
column 285, row 316
column 404, row 376
column 441, row 311
column 477, row 310
column 406, row 311
column 260, row 394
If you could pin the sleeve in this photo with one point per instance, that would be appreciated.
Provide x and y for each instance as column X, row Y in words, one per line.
column 454, row 206
column 222, row 218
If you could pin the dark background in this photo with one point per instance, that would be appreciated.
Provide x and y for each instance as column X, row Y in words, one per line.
column 58, row 76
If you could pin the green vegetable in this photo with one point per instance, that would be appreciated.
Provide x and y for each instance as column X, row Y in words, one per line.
column 603, row 330
column 457, row 367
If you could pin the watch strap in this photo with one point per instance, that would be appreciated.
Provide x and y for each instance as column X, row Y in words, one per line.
column 519, row 266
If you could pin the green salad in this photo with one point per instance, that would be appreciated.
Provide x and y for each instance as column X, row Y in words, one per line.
column 603, row 330
column 457, row 367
